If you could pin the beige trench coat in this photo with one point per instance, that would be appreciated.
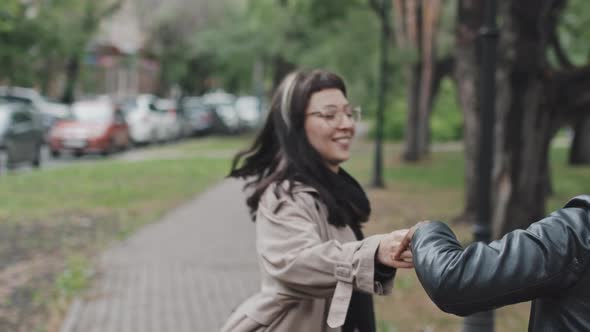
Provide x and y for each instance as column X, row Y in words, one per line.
column 308, row 267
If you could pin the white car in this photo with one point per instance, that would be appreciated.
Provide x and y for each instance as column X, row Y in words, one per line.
column 143, row 119
column 169, row 119
column 249, row 111
column 223, row 105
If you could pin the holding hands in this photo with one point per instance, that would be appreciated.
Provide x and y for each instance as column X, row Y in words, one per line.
column 394, row 249
column 389, row 245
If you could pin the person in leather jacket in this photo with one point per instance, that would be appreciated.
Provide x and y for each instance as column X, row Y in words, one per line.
column 546, row 263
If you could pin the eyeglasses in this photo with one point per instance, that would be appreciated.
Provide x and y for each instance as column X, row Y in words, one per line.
column 334, row 116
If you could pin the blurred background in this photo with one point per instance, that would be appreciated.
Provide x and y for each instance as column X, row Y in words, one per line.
column 113, row 112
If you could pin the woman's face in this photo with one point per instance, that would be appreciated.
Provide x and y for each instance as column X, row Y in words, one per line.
column 327, row 127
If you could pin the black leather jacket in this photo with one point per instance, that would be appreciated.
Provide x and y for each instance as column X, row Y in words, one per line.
column 547, row 263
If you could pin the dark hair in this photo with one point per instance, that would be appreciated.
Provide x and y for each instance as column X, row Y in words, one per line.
column 281, row 151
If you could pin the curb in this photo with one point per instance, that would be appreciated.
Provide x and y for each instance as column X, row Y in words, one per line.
column 71, row 320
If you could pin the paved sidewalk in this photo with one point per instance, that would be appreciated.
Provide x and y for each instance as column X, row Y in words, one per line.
column 184, row 273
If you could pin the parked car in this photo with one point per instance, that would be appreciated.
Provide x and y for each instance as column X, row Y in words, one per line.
column 21, row 137
column 199, row 117
column 249, row 112
column 226, row 116
column 169, row 120
column 47, row 111
column 96, row 126
column 143, row 118
column 37, row 102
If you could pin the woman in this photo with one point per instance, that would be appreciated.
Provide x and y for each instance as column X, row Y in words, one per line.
column 317, row 270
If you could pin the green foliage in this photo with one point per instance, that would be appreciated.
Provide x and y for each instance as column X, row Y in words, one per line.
column 447, row 119
column 74, row 279
column 9, row 13
column 574, row 31
column 446, row 122
column 395, row 120
column 46, row 33
column 337, row 35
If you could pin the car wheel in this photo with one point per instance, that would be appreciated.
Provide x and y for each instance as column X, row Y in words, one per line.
column 55, row 153
column 110, row 149
column 10, row 165
column 37, row 158
column 154, row 137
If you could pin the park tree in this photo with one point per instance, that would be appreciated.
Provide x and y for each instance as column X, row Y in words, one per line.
column 417, row 26
column 275, row 37
column 571, row 50
column 41, row 39
column 172, row 27
column 535, row 98
column 82, row 20
column 19, row 31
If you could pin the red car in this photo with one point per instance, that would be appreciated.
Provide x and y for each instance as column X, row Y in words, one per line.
column 96, row 126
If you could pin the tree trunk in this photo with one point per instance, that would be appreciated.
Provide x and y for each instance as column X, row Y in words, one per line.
column 417, row 131
column 72, row 73
column 430, row 16
column 532, row 102
column 469, row 20
column 526, row 116
column 281, row 68
column 412, row 132
column 580, row 148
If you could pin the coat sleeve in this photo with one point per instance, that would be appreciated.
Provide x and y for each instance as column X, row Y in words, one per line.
column 542, row 260
column 291, row 251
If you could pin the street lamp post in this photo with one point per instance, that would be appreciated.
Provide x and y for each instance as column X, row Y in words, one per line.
column 484, row 321
column 383, row 87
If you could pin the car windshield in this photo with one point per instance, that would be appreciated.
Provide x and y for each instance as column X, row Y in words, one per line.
column 92, row 112
column 14, row 99
column 128, row 105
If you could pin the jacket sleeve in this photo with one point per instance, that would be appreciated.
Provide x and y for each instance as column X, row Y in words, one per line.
column 526, row 264
column 291, row 250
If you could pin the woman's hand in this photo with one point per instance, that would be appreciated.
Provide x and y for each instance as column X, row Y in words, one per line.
column 400, row 251
column 389, row 246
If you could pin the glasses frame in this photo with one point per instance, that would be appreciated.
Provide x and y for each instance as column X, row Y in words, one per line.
column 341, row 114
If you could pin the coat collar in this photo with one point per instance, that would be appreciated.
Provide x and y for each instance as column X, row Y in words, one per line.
column 581, row 201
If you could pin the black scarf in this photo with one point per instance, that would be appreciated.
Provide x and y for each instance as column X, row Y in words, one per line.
column 352, row 205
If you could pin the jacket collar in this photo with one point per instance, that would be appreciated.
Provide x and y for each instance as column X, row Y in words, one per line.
column 581, row 201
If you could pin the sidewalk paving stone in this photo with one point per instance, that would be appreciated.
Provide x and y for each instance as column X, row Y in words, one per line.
column 184, row 273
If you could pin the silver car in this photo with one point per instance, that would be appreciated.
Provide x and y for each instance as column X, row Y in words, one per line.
column 21, row 135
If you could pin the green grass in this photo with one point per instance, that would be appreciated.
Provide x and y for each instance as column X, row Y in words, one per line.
column 105, row 186
column 67, row 215
column 230, row 143
column 567, row 180
column 77, row 210
column 445, row 171
column 433, row 189
column 441, row 171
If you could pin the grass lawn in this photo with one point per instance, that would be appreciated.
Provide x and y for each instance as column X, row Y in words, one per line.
column 433, row 190
column 53, row 222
